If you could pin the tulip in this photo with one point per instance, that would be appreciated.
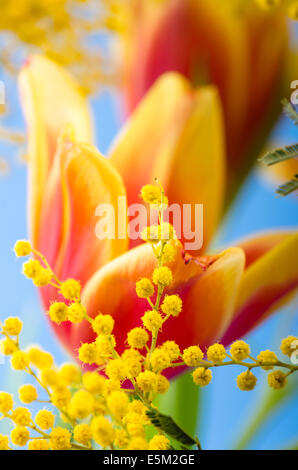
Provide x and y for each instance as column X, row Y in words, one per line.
column 243, row 52
column 224, row 295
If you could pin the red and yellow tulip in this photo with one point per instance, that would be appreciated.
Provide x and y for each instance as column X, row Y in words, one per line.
column 224, row 295
column 243, row 51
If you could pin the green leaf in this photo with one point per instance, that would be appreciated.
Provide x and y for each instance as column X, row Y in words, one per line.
column 280, row 155
column 289, row 187
column 168, row 426
column 284, row 153
column 184, row 411
column 290, row 111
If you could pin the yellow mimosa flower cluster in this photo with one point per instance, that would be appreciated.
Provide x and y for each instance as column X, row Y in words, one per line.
column 109, row 407
column 58, row 28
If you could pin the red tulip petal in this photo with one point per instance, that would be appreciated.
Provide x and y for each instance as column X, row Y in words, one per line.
column 50, row 100
column 265, row 285
column 80, row 180
column 181, row 144
column 208, row 295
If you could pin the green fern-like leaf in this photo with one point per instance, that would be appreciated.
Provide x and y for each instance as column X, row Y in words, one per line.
column 290, row 111
column 280, row 155
column 289, row 187
column 169, row 427
column 284, row 153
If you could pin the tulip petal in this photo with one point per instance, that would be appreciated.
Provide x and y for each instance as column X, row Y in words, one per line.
column 80, row 181
column 266, row 283
column 180, row 143
column 266, row 60
column 51, row 100
column 242, row 52
column 208, row 295
column 257, row 246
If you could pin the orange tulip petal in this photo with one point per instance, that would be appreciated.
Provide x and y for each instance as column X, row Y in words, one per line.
column 207, row 292
column 265, row 284
column 257, row 246
column 80, row 180
column 50, row 99
column 181, row 143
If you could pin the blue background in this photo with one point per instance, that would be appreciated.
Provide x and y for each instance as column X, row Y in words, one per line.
column 225, row 410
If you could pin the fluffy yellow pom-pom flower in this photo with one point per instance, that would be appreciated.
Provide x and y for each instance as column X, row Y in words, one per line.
column 267, row 356
column 50, row 377
column 43, row 277
column 151, row 194
column 93, row 382
column 169, row 253
column 162, row 276
column 13, row 326
column 121, row 438
column 88, row 353
column 115, row 369
column 76, row 312
column 216, row 353
column 160, row 360
column 137, row 338
column 202, row 376
column 162, row 384
column 19, row 360
column 146, row 381
column 61, row 396
column 166, row 231
column 8, row 346
column 246, row 381
column 105, row 345
column 27, row 393
column 45, row 419
column 144, row 288
column 277, row 379
column 81, row 404
column 58, row 312
column 150, row 234
column 289, row 345
column 82, row 433
column 70, row 373
column 20, row 436
column 193, row 356
column 159, row 442
column 118, row 404
column 172, row 305
column 103, row 324
column 39, row 358
column 102, row 431
column 60, row 439
column 6, row 402
column 21, row 416
column 132, row 363
column 22, row 248
column 31, row 268
column 172, row 349
column 70, row 289
column 138, row 443
column 152, row 320
column 239, row 350
column 4, row 442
